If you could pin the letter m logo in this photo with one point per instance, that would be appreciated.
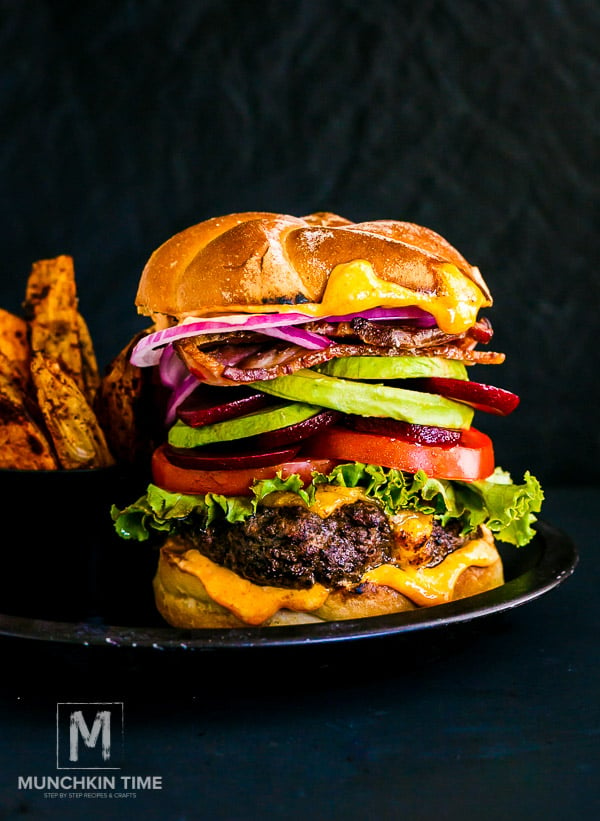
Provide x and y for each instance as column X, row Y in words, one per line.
column 89, row 736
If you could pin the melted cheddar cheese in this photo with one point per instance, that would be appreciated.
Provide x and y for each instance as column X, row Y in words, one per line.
column 412, row 525
column 251, row 603
column 328, row 498
column 254, row 604
column 427, row 586
column 353, row 287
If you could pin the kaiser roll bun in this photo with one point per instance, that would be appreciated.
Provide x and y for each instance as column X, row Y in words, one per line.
column 261, row 258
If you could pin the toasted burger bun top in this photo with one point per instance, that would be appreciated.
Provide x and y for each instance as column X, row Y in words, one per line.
column 263, row 261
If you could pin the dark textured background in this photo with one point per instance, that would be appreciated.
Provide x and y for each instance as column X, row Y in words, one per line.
column 123, row 122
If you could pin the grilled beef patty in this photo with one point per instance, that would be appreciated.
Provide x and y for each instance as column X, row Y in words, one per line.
column 292, row 547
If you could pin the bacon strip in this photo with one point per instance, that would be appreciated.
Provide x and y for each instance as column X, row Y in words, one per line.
column 237, row 361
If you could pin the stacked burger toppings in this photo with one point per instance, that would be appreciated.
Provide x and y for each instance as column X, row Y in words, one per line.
column 320, row 460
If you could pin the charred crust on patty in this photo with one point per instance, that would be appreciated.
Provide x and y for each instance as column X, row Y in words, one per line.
column 294, row 547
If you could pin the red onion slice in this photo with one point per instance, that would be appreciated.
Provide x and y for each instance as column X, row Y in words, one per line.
column 299, row 336
column 171, row 369
column 180, row 392
column 411, row 313
column 148, row 350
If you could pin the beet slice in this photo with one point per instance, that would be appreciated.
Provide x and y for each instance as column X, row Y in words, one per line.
column 487, row 398
column 210, row 403
column 396, row 429
column 226, row 457
column 297, row 432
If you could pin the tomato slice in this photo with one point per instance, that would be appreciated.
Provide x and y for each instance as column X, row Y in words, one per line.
column 471, row 458
column 235, row 482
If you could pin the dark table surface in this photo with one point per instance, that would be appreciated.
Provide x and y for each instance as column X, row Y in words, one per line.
column 493, row 718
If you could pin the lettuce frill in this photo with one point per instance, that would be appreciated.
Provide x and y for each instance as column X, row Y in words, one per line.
column 507, row 509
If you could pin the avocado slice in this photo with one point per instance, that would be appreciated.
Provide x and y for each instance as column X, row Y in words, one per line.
column 366, row 399
column 261, row 421
column 393, row 367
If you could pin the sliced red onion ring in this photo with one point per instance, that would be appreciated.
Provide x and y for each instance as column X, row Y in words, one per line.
column 171, row 369
column 299, row 336
column 180, row 392
column 412, row 313
column 148, row 350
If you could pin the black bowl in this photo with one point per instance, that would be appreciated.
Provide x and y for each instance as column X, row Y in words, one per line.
column 61, row 557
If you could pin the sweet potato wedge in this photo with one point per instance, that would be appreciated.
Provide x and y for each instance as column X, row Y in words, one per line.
column 14, row 345
column 51, row 308
column 78, row 439
column 23, row 443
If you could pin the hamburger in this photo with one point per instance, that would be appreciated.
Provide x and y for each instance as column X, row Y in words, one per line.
column 319, row 461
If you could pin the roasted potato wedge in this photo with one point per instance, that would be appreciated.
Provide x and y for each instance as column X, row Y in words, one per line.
column 117, row 402
column 89, row 365
column 78, row 439
column 51, row 390
column 51, row 307
column 14, row 346
column 23, row 443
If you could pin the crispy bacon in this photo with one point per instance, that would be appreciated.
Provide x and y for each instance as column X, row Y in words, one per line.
column 399, row 336
column 466, row 355
column 229, row 359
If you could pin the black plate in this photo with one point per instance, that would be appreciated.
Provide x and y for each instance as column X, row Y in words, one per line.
column 530, row 571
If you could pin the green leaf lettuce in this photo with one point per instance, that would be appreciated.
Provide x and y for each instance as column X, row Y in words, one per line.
column 508, row 509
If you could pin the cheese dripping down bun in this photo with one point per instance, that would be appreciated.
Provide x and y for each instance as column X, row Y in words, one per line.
column 191, row 591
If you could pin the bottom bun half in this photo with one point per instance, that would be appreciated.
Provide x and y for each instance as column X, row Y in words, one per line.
column 183, row 600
